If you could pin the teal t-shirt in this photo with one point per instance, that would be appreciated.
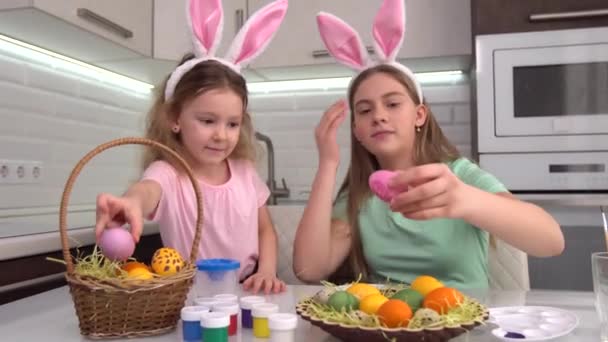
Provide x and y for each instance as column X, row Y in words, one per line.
column 401, row 249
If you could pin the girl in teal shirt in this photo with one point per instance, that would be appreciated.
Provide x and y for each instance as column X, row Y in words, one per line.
column 441, row 225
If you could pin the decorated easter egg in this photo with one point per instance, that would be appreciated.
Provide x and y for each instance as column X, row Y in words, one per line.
column 372, row 303
column 167, row 261
column 425, row 284
column 342, row 300
column 116, row 243
column 378, row 183
column 443, row 299
column 140, row 274
column 427, row 316
column 362, row 290
column 394, row 313
column 413, row 298
column 322, row 297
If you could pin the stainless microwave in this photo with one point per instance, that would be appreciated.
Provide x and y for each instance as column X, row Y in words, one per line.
column 542, row 109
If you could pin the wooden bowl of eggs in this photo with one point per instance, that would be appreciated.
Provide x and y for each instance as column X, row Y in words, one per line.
column 425, row 311
column 127, row 299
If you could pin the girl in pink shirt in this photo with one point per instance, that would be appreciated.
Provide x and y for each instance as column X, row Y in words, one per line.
column 201, row 112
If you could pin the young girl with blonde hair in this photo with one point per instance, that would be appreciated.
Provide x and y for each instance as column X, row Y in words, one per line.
column 201, row 112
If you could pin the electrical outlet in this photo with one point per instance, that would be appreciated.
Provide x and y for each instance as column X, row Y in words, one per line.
column 21, row 171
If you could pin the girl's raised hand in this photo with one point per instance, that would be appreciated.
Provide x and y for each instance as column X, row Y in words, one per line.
column 326, row 133
column 434, row 192
column 115, row 211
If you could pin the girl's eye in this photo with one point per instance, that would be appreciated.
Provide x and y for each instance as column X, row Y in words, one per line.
column 393, row 104
column 364, row 111
column 206, row 121
column 233, row 124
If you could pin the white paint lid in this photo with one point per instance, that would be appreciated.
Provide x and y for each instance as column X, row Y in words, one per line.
column 215, row 320
column 205, row 301
column 227, row 297
column 229, row 308
column 282, row 321
column 248, row 302
column 263, row 310
column 193, row 313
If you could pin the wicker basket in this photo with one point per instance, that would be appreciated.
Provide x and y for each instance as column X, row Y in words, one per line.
column 125, row 307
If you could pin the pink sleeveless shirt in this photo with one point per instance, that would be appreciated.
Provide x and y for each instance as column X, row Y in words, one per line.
column 230, row 213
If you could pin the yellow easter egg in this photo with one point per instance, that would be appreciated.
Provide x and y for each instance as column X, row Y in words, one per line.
column 372, row 303
column 425, row 284
column 167, row 261
column 140, row 274
column 362, row 290
column 133, row 265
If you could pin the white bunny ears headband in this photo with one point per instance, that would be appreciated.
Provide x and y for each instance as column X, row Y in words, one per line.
column 345, row 45
column 206, row 22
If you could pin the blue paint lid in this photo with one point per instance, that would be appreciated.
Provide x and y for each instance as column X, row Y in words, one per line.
column 217, row 265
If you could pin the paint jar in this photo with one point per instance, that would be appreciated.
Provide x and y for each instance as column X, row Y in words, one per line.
column 191, row 322
column 247, row 304
column 226, row 298
column 282, row 327
column 215, row 326
column 231, row 309
column 260, row 313
column 205, row 301
column 215, row 276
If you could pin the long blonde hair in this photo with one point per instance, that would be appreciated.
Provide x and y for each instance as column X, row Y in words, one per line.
column 203, row 77
column 430, row 146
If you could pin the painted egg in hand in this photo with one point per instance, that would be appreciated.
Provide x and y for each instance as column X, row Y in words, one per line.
column 378, row 183
column 116, row 243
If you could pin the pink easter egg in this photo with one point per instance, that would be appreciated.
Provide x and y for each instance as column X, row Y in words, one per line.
column 116, row 243
column 378, row 183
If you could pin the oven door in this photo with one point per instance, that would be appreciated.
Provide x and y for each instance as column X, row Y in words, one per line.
column 551, row 91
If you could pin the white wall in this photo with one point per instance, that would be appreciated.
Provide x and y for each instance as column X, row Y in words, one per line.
column 290, row 119
column 55, row 117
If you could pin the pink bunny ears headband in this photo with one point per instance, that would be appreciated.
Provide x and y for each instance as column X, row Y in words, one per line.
column 206, row 21
column 345, row 45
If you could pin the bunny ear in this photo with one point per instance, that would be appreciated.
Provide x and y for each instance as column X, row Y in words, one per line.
column 342, row 41
column 389, row 29
column 206, row 19
column 257, row 33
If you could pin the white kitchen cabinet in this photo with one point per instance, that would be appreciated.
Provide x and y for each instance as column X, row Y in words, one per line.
column 171, row 33
column 434, row 28
column 128, row 23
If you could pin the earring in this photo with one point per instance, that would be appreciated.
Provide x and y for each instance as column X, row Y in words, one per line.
column 417, row 129
column 176, row 129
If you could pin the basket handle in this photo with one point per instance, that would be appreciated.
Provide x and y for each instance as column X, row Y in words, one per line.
column 113, row 143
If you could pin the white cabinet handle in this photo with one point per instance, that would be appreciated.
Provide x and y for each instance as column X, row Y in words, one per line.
column 568, row 15
column 325, row 53
column 93, row 17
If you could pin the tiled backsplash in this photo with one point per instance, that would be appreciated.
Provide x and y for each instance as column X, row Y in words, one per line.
column 55, row 117
column 290, row 119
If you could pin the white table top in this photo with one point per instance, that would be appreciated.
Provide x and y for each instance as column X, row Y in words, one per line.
column 50, row 316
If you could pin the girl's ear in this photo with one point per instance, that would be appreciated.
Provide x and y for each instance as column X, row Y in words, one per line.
column 421, row 115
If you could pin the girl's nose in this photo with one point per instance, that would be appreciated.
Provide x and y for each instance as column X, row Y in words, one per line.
column 380, row 116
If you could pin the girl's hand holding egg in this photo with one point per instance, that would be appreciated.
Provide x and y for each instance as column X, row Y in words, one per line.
column 434, row 192
column 115, row 211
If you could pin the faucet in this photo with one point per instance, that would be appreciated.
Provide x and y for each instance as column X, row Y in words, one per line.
column 272, row 185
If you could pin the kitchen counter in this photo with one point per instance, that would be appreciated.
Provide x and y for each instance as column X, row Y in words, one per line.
column 50, row 316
